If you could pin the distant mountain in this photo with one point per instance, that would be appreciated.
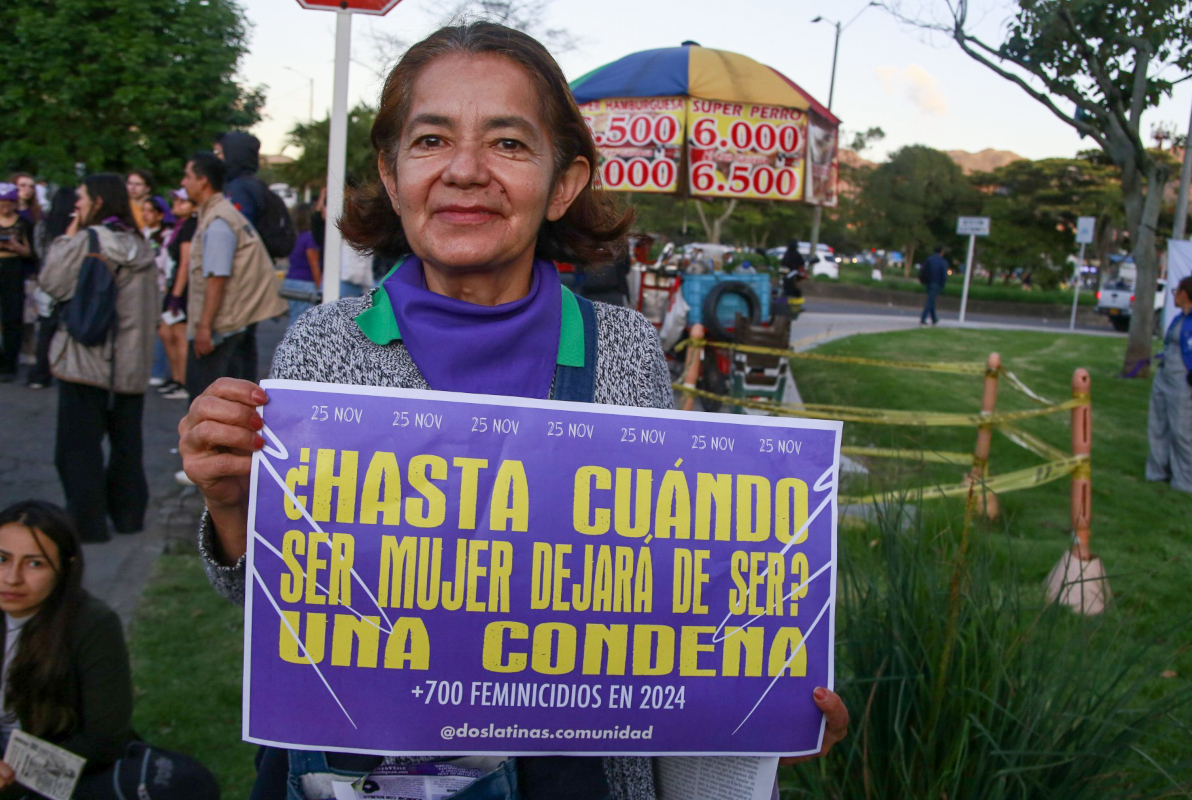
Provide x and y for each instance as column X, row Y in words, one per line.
column 986, row 161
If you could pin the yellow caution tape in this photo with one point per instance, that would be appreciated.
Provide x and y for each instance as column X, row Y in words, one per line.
column 949, row 367
column 999, row 484
column 1022, row 387
column 885, row 416
column 931, row 456
column 955, row 368
column 1031, row 442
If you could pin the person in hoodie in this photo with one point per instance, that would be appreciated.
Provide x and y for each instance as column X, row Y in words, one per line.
column 102, row 387
column 240, row 153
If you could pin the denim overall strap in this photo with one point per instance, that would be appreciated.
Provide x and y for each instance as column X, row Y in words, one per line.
column 305, row 763
column 578, row 384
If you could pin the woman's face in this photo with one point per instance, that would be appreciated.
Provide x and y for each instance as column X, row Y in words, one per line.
column 474, row 169
column 27, row 187
column 8, row 208
column 28, row 569
column 84, row 205
column 136, row 186
column 150, row 214
column 182, row 208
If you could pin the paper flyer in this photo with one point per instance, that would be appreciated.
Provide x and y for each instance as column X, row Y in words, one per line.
column 438, row 573
column 43, row 767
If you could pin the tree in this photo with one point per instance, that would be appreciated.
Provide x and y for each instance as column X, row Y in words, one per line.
column 912, row 200
column 1034, row 206
column 1106, row 61
column 117, row 84
column 311, row 138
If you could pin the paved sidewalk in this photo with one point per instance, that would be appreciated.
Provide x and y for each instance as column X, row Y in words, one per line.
column 115, row 571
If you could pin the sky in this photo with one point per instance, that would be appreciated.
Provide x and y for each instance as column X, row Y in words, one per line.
column 918, row 89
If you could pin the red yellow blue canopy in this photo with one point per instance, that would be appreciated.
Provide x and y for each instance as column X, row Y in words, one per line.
column 696, row 71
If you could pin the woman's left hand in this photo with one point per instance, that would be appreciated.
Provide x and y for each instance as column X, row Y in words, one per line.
column 7, row 775
column 837, row 723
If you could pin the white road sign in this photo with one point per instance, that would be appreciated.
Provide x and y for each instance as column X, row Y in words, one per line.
column 972, row 226
column 1085, row 226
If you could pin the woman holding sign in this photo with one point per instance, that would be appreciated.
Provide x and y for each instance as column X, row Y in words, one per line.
column 486, row 170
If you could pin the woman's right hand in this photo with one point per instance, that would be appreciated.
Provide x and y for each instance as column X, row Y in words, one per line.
column 217, row 438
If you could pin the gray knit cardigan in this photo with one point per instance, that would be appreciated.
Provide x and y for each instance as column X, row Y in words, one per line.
column 327, row 346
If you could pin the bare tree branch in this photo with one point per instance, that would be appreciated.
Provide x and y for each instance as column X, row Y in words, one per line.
column 1082, row 127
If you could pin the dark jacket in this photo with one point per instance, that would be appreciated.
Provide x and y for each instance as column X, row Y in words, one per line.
column 241, row 155
column 100, row 687
column 935, row 270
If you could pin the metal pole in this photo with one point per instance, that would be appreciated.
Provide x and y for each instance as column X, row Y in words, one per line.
column 817, row 215
column 337, row 157
column 968, row 274
column 1076, row 287
column 1181, row 206
column 310, row 114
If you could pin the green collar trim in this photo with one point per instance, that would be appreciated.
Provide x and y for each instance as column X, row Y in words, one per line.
column 379, row 325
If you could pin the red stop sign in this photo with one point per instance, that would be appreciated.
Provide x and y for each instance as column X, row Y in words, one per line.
column 377, row 7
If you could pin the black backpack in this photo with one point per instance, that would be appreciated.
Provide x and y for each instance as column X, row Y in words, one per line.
column 275, row 225
column 90, row 315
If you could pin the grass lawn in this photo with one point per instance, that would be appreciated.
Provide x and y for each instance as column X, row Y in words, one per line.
column 1139, row 529
column 186, row 660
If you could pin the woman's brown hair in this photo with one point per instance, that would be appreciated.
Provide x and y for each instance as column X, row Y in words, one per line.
column 592, row 231
column 39, row 678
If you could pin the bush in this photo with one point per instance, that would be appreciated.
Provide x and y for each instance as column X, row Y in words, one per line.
column 967, row 689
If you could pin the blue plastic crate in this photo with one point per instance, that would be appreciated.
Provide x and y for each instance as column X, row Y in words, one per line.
column 696, row 288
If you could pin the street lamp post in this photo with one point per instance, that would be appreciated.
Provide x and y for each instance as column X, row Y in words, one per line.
column 818, row 214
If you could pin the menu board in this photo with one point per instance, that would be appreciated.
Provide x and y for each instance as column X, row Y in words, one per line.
column 746, row 150
column 822, row 164
column 638, row 142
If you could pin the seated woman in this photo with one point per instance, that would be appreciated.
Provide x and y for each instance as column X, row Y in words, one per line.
column 65, row 676
column 486, row 170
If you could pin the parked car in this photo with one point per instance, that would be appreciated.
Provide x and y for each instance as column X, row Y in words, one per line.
column 287, row 193
column 1115, row 300
column 827, row 265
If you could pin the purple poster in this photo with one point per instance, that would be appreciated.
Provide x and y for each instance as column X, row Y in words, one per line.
column 434, row 573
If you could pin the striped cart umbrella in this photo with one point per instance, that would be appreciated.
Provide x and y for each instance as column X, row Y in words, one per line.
column 708, row 123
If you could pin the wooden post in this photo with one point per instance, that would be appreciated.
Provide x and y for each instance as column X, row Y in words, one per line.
column 986, row 502
column 695, row 360
column 1078, row 580
column 1082, row 440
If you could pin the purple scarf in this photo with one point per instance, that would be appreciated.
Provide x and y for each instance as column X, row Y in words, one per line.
column 508, row 349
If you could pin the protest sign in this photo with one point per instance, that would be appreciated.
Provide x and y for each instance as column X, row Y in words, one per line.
column 746, row 150
column 438, row 573
column 638, row 142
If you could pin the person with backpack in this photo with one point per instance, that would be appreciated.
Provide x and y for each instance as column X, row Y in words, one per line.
column 933, row 274
column 102, row 272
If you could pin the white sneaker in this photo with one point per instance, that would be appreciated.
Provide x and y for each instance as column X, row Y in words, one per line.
column 155, row 382
column 177, row 393
column 181, row 478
